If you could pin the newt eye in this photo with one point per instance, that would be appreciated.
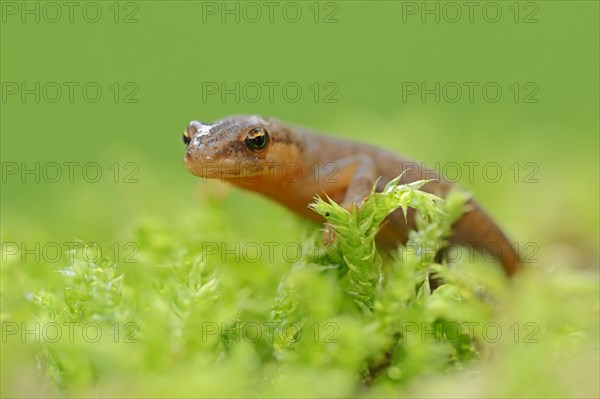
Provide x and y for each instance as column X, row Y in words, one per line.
column 186, row 137
column 257, row 139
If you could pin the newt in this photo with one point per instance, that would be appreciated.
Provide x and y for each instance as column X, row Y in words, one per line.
column 291, row 165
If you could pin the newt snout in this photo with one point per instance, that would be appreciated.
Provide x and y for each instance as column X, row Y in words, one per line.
column 194, row 128
column 196, row 137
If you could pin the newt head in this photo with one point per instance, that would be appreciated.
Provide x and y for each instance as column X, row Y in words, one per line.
column 238, row 146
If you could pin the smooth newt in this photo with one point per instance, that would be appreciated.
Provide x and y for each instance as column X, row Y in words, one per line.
column 292, row 165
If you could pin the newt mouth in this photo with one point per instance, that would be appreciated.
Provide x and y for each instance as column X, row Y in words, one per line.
column 224, row 170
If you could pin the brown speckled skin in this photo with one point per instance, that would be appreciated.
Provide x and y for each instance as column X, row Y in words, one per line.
column 298, row 164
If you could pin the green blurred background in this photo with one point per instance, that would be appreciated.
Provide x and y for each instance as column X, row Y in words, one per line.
column 366, row 50
column 176, row 47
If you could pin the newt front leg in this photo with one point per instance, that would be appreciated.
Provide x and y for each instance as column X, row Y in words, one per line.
column 354, row 177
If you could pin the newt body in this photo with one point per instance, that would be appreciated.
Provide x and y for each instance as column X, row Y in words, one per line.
column 292, row 165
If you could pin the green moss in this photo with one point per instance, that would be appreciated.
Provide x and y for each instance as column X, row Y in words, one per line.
column 190, row 320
